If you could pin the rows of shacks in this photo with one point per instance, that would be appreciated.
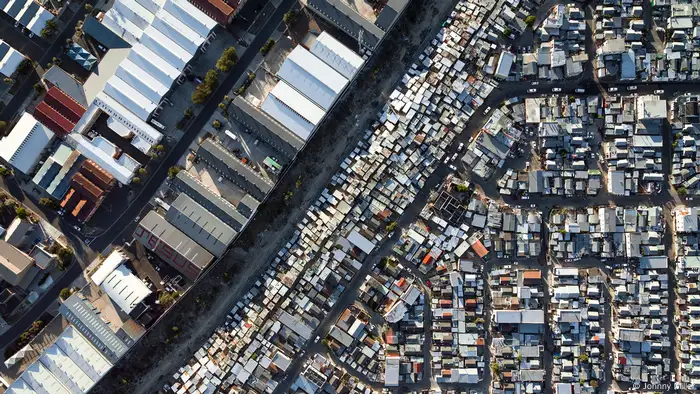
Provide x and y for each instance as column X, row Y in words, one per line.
column 640, row 321
column 563, row 153
column 633, row 146
column 277, row 317
column 686, row 139
column 687, row 251
column 577, row 317
column 518, row 328
column 606, row 232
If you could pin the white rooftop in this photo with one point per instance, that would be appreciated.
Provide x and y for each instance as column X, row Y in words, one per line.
column 23, row 146
column 336, row 55
column 120, row 284
column 292, row 109
column 10, row 59
column 97, row 150
column 312, row 77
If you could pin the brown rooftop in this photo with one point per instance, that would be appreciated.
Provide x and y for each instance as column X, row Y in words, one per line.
column 96, row 174
column 86, row 188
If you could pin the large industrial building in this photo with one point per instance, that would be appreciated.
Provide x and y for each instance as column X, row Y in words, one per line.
column 231, row 168
column 172, row 245
column 310, row 83
column 184, row 182
column 369, row 33
column 25, row 144
column 131, row 83
column 201, row 225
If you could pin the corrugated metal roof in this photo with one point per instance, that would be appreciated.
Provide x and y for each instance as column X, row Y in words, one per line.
column 336, row 55
column 312, row 77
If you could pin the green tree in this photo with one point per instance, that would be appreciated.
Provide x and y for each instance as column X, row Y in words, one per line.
column 187, row 113
column 22, row 212
column 228, row 58
column 289, row 18
column 391, row 227
column 682, row 191
column 462, row 188
column 3, row 126
column 88, row 7
column 38, row 88
column 507, row 31
column 143, row 171
column 65, row 293
column 173, row 171
column 166, row 299
column 49, row 203
column 530, row 20
column 268, row 45
column 216, row 124
column 136, row 180
column 583, row 358
column 4, row 171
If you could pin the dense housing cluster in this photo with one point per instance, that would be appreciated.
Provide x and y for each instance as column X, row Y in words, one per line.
column 578, row 317
column 640, row 321
column 633, row 144
column 517, row 330
column 606, row 232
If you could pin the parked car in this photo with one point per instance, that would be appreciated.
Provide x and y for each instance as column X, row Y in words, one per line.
column 460, row 147
column 452, row 168
column 660, row 91
column 487, row 110
column 532, row 90
column 580, row 90
column 613, row 89
column 556, row 90
column 535, row 83
column 632, row 88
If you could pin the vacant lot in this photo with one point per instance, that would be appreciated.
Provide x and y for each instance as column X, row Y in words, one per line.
column 147, row 367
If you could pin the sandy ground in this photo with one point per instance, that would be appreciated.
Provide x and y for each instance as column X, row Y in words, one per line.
column 147, row 367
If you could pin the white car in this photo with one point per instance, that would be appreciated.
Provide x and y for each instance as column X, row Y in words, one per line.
column 460, row 147
column 658, row 91
column 579, row 90
column 454, row 157
column 535, row 83
column 532, row 90
column 453, row 168
column 612, row 90
column 556, row 90
column 487, row 110
column 632, row 88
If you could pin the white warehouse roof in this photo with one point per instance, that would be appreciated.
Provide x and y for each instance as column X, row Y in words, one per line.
column 69, row 365
column 128, row 118
column 10, row 59
column 23, row 146
column 102, row 152
column 336, row 55
column 120, row 284
column 292, row 109
column 165, row 36
column 312, row 77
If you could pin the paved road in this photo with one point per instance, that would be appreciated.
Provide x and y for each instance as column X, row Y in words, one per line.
column 192, row 131
column 85, row 253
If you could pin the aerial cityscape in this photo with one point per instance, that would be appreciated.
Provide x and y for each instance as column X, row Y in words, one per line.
column 350, row 196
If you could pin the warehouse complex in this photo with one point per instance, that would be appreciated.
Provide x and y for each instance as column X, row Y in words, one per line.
column 130, row 88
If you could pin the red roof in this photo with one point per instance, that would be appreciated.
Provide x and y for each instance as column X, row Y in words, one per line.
column 53, row 119
column 96, row 174
column 217, row 9
column 64, row 104
column 86, row 188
